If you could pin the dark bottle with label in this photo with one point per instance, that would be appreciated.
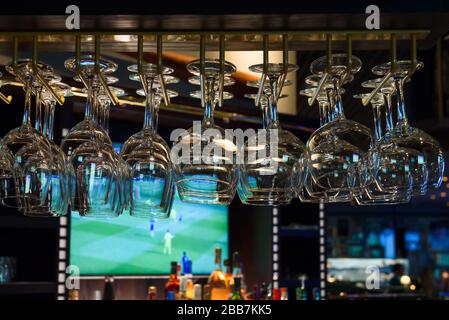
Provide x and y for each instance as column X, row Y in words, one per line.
column 172, row 284
column 108, row 292
column 237, row 293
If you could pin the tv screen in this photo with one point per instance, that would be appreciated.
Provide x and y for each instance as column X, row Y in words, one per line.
column 135, row 246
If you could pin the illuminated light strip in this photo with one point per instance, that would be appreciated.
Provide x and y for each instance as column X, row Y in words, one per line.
column 275, row 259
column 62, row 257
column 323, row 268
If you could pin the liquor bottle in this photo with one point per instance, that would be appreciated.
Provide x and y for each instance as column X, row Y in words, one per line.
column 172, row 284
column 257, row 293
column 197, row 294
column 217, row 280
column 284, row 294
column 229, row 277
column 182, row 288
column 170, row 295
column 237, row 270
column 97, row 295
column 74, row 294
column 276, row 294
column 190, row 290
column 237, row 293
column 184, row 260
column 316, row 293
column 301, row 293
column 206, row 292
column 152, row 293
column 108, row 292
column 264, row 295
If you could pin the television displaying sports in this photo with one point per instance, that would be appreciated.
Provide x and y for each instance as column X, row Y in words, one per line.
column 133, row 246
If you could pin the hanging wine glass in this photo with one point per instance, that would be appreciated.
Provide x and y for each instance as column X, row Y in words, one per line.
column 204, row 157
column 98, row 187
column 340, row 147
column 15, row 139
column 54, row 197
column 147, row 154
column 308, row 190
column 138, row 138
column 406, row 136
column 389, row 181
column 271, row 177
column 6, row 171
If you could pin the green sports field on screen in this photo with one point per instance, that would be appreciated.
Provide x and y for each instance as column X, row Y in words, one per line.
column 135, row 246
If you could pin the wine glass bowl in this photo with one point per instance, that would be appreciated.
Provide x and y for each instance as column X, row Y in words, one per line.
column 208, row 172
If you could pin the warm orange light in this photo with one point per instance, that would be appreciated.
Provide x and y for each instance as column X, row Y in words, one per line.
column 443, row 194
column 412, row 287
column 445, row 179
column 445, row 275
column 433, row 197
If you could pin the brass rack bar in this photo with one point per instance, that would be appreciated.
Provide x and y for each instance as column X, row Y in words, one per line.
column 393, row 66
column 413, row 57
column 142, row 78
column 15, row 60
column 165, row 95
column 202, row 69
column 5, row 99
column 222, row 61
column 41, row 80
column 348, row 57
column 215, row 31
column 326, row 74
column 15, row 47
column 284, row 65
column 103, row 82
column 78, row 61
column 263, row 77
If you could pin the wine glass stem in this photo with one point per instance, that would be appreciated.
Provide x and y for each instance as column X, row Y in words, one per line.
column 272, row 102
column 45, row 119
column 265, row 116
column 323, row 108
column 331, row 105
column 389, row 113
column 273, row 113
column 106, row 110
column 208, row 115
column 37, row 124
column 156, row 116
column 149, row 111
column 377, row 121
column 26, row 111
column 402, row 116
column 95, row 106
column 51, row 119
column 88, row 111
column 338, row 101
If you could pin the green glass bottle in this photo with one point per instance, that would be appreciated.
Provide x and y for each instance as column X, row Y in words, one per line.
column 236, row 294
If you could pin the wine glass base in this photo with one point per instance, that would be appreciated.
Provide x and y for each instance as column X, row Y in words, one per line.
column 152, row 215
column 265, row 197
column 211, row 68
column 205, row 199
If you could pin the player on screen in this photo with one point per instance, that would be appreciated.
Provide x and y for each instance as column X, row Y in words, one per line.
column 152, row 231
column 167, row 242
column 173, row 215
